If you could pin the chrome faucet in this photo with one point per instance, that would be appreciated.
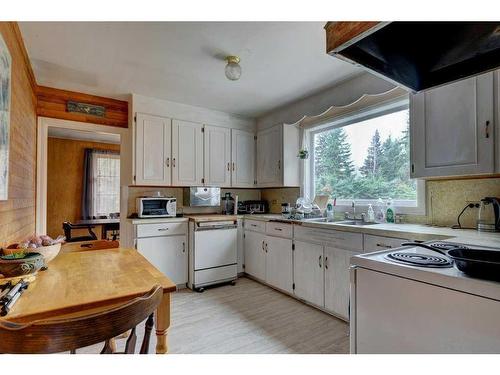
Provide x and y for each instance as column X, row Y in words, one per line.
column 354, row 218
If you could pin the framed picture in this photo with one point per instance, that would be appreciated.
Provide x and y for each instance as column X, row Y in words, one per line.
column 5, row 95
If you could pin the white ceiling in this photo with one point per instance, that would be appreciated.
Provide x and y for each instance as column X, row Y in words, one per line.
column 83, row 135
column 183, row 61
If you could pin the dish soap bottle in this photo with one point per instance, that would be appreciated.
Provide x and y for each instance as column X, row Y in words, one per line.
column 389, row 214
column 329, row 212
column 371, row 214
column 380, row 215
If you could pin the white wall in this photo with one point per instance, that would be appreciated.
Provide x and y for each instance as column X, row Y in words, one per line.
column 159, row 107
column 341, row 94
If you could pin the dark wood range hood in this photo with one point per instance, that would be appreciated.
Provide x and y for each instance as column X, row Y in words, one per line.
column 417, row 55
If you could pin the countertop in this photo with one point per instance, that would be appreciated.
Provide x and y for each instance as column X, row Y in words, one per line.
column 410, row 231
column 157, row 220
column 210, row 217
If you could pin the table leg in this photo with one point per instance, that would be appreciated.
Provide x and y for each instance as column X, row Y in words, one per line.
column 162, row 324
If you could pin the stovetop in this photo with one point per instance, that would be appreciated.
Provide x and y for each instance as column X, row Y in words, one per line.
column 413, row 265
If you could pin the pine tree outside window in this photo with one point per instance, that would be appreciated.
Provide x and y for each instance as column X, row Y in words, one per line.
column 365, row 157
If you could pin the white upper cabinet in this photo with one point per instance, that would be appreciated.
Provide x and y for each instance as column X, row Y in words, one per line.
column 269, row 144
column 153, row 150
column 277, row 162
column 187, row 153
column 217, row 156
column 452, row 129
column 242, row 158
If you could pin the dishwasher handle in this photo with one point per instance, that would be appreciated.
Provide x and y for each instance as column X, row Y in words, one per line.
column 215, row 227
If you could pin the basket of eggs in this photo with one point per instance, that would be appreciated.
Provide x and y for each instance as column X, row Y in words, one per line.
column 29, row 256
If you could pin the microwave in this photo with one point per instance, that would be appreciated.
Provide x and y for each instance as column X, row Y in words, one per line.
column 156, row 207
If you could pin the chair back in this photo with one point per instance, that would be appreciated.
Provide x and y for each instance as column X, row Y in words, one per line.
column 60, row 335
column 68, row 227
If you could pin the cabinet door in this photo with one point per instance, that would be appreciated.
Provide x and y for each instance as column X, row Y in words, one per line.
column 452, row 129
column 269, row 151
column 308, row 272
column 337, row 280
column 217, row 156
column 187, row 153
column 255, row 255
column 153, row 150
column 242, row 158
column 279, row 263
column 168, row 254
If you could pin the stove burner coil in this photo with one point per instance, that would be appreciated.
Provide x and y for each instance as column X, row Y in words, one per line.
column 420, row 260
column 446, row 246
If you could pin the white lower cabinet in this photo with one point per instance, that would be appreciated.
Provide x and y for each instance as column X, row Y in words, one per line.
column 308, row 272
column 279, row 263
column 337, row 282
column 168, row 254
column 255, row 255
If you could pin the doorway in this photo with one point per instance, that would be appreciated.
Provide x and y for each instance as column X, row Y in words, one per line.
column 78, row 177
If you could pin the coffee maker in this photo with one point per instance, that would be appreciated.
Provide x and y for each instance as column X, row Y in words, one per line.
column 489, row 215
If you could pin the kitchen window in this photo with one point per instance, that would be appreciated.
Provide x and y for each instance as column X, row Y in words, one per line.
column 365, row 157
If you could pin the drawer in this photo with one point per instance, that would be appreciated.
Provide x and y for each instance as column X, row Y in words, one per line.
column 255, row 225
column 329, row 237
column 377, row 243
column 161, row 229
column 279, row 229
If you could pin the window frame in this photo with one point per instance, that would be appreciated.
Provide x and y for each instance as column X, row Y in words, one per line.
column 95, row 199
column 402, row 206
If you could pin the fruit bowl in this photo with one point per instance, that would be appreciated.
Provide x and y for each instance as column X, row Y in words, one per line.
column 13, row 265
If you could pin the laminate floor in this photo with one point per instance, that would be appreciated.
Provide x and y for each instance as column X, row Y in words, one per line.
column 247, row 318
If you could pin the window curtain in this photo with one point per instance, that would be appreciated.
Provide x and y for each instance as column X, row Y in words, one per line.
column 92, row 170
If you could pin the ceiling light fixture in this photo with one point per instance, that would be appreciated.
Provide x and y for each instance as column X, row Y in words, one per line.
column 233, row 68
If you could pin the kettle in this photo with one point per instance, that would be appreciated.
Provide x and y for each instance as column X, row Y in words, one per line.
column 489, row 215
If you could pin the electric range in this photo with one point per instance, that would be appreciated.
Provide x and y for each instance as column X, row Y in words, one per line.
column 414, row 300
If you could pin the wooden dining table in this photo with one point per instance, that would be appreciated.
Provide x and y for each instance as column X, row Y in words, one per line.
column 79, row 283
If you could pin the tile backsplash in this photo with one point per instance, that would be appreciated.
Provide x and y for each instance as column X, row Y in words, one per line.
column 445, row 199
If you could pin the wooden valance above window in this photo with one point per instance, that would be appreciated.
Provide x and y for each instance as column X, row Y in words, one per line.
column 364, row 103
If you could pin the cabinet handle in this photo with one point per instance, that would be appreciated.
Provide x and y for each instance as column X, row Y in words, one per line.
column 319, row 260
column 266, row 247
column 384, row 246
column 228, row 166
column 173, row 162
column 279, row 164
column 168, row 162
column 278, row 229
column 263, row 245
column 326, row 262
column 183, row 247
column 162, row 229
column 233, row 165
column 487, row 129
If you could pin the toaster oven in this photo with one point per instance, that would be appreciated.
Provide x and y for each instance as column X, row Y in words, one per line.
column 156, row 207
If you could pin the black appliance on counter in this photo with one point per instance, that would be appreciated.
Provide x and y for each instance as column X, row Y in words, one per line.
column 253, row 207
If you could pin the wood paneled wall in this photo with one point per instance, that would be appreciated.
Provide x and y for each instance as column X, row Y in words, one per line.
column 51, row 102
column 17, row 214
column 64, row 183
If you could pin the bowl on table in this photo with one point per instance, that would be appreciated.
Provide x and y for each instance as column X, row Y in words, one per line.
column 48, row 252
column 13, row 265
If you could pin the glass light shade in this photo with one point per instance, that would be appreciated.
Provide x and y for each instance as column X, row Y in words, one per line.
column 233, row 71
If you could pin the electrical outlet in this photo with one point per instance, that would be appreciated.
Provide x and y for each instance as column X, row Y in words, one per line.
column 475, row 203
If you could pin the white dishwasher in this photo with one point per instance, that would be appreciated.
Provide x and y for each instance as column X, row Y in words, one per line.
column 212, row 253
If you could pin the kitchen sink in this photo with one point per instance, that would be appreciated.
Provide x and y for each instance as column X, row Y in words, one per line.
column 315, row 220
column 353, row 222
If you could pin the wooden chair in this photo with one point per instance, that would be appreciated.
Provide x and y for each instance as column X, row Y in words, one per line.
column 68, row 227
column 89, row 245
column 60, row 335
